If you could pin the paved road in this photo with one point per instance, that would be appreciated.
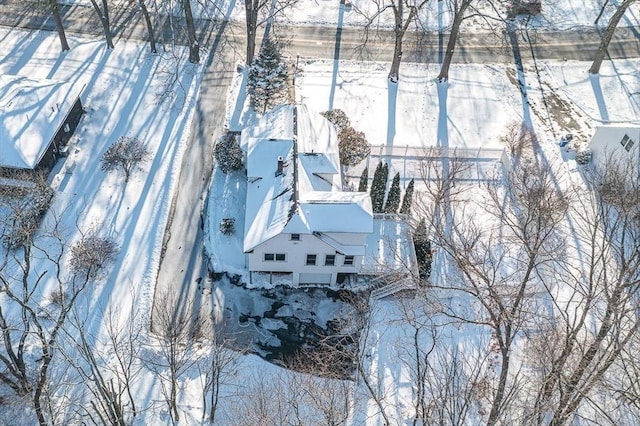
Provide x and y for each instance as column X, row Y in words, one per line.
column 471, row 47
column 183, row 267
column 316, row 41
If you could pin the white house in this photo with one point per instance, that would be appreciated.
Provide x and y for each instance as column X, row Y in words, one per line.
column 616, row 142
column 37, row 117
column 299, row 222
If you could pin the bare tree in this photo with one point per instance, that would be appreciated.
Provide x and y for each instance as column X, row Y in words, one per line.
column 405, row 14
column 447, row 384
column 91, row 253
column 220, row 366
column 194, row 45
column 108, row 367
column 459, row 8
column 53, row 8
column 608, row 35
column 178, row 330
column 363, row 320
column 103, row 15
column 525, row 213
column 33, row 333
column 598, row 319
column 258, row 13
column 149, row 24
column 125, row 154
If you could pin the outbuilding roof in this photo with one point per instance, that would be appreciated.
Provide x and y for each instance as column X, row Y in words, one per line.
column 31, row 113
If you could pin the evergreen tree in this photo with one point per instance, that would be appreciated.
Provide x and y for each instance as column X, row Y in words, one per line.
column 379, row 186
column 338, row 118
column 393, row 198
column 407, row 201
column 353, row 146
column 377, row 196
column 364, row 180
column 228, row 153
column 423, row 249
column 267, row 82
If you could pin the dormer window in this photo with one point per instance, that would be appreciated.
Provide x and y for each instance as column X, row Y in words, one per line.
column 627, row 143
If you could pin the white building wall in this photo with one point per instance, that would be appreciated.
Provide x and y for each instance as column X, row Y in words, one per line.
column 296, row 257
column 605, row 144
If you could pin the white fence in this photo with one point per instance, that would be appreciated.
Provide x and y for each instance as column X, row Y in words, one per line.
column 423, row 164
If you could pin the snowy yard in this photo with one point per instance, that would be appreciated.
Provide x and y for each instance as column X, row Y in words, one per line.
column 127, row 92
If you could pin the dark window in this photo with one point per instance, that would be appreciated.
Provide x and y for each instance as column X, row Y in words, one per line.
column 330, row 260
column 627, row 142
column 268, row 257
column 280, row 257
column 348, row 260
column 311, row 259
column 295, row 237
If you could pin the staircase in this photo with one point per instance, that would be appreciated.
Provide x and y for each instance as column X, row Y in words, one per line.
column 390, row 284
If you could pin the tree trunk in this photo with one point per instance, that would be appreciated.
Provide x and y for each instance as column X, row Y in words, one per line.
column 394, row 72
column 53, row 4
column 608, row 34
column 502, row 384
column 251, row 12
column 194, row 47
column 451, row 44
column 147, row 19
column 104, row 20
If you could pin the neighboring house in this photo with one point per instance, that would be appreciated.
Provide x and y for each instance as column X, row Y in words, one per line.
column 617, row 142
column 298, row 220
column 37, row 118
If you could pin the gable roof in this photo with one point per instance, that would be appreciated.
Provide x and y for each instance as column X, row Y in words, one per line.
column 31, row 113
column 307, row 196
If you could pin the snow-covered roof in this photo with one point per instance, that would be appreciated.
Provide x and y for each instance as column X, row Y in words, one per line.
column 31, row 112
column 307, row 196
column 270, row 195
column 337, row 211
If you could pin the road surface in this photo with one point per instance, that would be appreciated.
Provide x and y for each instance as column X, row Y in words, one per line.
column 184, row 266
column 320, row 41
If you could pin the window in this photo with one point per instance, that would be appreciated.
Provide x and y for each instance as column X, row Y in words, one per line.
column 627, row 143
column 348, row 261
column 330, row 260
column 278, row 257
column 311, row 259
column 295, row 237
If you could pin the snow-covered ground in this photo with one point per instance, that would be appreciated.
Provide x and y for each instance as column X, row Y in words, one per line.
column 126, row 94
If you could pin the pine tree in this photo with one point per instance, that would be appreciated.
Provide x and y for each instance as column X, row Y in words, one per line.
column 407, row 201
column 423, row 249
column 228, row 153
column 375, row 189
column 393, row 198
column 267, row 78
column 378, row 187
column 364, row 180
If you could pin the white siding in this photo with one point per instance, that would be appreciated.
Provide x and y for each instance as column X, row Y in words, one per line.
column 296, row 257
